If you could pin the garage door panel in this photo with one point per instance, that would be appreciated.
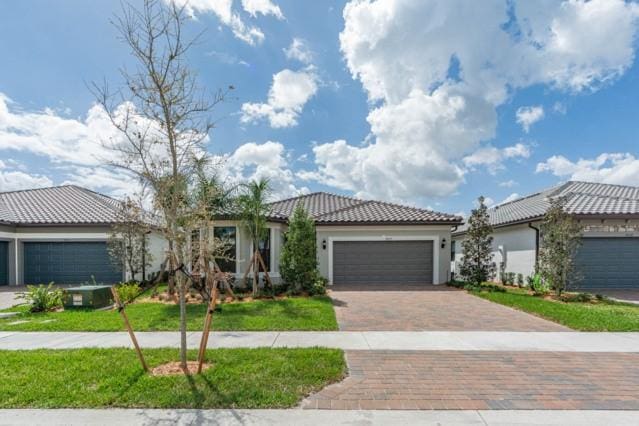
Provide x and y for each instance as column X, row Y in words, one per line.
column 68, row 263
column 382, row 262
column 4, row 263
column 608, row 263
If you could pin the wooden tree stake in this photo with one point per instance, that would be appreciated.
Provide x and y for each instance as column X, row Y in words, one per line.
column 120, row 307
column 207, row 327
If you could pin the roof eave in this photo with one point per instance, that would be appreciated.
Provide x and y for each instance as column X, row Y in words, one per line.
column 386, row 223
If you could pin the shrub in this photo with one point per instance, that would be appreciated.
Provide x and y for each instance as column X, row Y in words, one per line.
column 317, row 285
column 520, row 280
column 539, row 286
column 43, row 298
column 578, row 297
column 298, row 262
column 128, row 291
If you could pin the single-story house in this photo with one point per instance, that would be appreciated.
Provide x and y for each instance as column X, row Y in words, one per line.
column 609, row 215
column 59, row 234
column 371, row 243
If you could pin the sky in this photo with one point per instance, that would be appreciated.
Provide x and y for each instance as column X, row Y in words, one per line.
column 427, row 103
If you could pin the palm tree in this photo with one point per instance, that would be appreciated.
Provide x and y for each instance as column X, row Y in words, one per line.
column 253, row 209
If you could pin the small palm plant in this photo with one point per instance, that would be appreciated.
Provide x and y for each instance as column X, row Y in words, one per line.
column 253, row 207
column 43, row 298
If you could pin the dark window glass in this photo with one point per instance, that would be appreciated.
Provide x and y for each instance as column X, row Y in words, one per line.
column 228, row 235
column 452, row 250
column 265, row 251
column 195, row 247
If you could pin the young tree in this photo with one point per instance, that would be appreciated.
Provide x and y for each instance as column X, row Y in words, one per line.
column 298, row 261
column 477, row 263
column 163, row 120
column 560, row 237
column 253, row 207
column 127, row 242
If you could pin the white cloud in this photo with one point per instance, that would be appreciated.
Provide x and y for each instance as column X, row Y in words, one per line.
column 223, row 9
column 511, row 197
column 529, row 115
column 74, row 147
column 287, row 96
column 299, row 51
column 493, row 158
column 559, row 108
column 508, row 183
column 614, row 168
column 423, row 121
column 253, row 161
column 265, row 7
column 12, row 179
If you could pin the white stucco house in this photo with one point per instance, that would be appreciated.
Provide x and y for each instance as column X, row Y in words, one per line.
column 59, row 234
column 609, row 214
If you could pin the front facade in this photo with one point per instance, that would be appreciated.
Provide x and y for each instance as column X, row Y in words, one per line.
column 359, row 242
column 373, row 243
column 608, row 214
column 59, row 235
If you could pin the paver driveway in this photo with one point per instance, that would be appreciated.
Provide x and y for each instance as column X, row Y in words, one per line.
column 429, row 308
column 484, row 380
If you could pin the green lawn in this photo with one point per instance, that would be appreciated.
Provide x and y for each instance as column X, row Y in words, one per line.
column 601, row 316
column 296, row 313
column 239, row 378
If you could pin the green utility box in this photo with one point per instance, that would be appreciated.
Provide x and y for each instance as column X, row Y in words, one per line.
column 89, row 296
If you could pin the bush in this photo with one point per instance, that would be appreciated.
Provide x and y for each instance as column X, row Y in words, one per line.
column 520, row 280
column 578, row 297
column 43, row 298
column 128, row 291
column 317, row 286
column 298, row 261
column 539, row 286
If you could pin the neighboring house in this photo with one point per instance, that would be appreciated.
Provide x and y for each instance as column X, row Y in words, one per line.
column 59, row 234
column 609, row 214
column 359, row 242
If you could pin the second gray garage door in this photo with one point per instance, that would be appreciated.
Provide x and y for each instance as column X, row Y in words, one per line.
column 382, row 263
column 68, row 263
column 608, row 263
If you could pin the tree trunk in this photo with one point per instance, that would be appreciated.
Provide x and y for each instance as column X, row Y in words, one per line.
column 171, row 283
column 182, row 283
column 256, row 273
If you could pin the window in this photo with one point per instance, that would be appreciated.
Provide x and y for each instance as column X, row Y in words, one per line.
column 452, row 249
column 228, row 235
column 265, row 251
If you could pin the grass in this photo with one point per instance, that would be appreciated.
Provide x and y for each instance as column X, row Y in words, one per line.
column 605, row 315
column 239, row 378
column 295, row 313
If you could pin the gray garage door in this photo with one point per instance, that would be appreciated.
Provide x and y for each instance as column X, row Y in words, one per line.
column 68, row 263
column 4, row 263
column 383, row 263
column 608, row 263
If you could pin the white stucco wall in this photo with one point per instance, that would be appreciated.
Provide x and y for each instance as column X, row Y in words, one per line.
column 515, row 244
column 436, row 233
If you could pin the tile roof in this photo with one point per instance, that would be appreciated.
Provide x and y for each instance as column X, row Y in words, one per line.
column 67, row 204
column 582, row 199
column 335, row 209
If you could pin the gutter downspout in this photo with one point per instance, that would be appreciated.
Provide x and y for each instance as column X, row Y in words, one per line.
column 530, row 225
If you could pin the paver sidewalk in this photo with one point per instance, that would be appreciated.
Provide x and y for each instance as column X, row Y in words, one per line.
column 368, row 340
column 465, row 380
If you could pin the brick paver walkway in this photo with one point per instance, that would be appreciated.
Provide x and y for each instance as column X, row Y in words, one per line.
column 438, row 308
column 484, row 380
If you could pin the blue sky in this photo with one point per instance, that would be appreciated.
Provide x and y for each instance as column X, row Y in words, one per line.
column 425, row 103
